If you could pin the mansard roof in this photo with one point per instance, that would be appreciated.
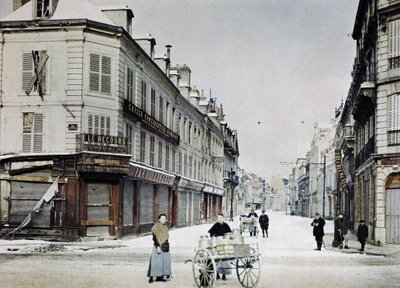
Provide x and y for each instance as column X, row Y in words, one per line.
column 66, row 9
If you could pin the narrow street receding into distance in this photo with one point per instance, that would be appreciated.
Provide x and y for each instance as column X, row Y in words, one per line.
column 288, row 260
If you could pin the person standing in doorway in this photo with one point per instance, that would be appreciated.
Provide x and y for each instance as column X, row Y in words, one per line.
column 160, row 260
column 318, row 230
column 362, row 234
column 219, row 229
column 264, row 223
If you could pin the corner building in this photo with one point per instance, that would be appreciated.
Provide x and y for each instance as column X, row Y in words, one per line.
column 373, row 100
column 91, row 110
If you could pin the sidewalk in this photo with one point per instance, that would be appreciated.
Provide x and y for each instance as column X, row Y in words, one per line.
column 388, row 250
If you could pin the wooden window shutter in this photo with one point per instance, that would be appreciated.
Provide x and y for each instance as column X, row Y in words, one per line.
column 394, row 39
column 94, row 77
column 96, row 124
column 37, row 133
column 102, row 125
column 27, row 69
column 106, row 74
column 108, row 126
column 27, row 132
column 90, row 124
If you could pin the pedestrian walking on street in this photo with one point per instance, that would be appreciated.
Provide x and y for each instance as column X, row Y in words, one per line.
column 342, row 230
column 362, row 234
column 318, row 230
column 253, row 227
column 160, row 259
column 264, row 223
column 219, row 229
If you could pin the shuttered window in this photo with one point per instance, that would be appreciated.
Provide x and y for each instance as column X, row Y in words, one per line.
column 99, row 124
column 394, row 44
column 152, row 142
column 153, row 103
column 28, row 70
column 130, row 86
column 142, row 146
column 173, row 162
column 128, row 135
column 167, row 158
column 100, row 73
column 160, row 151
column 161, row 111
column 144, row 95
column 32, row 133
column 394, row 119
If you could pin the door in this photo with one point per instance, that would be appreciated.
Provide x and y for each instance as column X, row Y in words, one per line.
column 392, row 216
column 99, row 216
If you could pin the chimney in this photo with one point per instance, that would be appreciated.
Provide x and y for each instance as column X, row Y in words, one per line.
column 184, row 81
column 147, row 43
column 163, row 61
column 194, row 96
column 121, row 16
column 174, row 76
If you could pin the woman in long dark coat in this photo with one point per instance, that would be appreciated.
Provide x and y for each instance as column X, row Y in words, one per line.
column 318, row 230
column 160, row 260
column 219, row 229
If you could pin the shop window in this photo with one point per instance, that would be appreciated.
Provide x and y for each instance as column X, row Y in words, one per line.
column 32, row 133
column 100, row 73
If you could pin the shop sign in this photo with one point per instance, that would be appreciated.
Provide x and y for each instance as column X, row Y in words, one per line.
column 103, row 164
column 150, row 175
column 391, row 161
column 101, row 143
column 151, row 123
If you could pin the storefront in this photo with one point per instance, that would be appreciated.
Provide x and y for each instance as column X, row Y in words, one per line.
column 147, row 193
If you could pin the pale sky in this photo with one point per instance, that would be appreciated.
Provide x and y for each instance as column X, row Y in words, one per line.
column 284, row 63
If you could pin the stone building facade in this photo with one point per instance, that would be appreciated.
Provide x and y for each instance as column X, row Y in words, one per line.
column 373, row 100
column 96, row 123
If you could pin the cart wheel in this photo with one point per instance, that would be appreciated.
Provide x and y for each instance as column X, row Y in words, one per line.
column 248, row 271
column 204, row 268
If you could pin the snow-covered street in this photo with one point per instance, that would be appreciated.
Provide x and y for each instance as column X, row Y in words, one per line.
column 288, row 260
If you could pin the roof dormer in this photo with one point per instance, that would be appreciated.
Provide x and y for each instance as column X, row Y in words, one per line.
column 43, row 9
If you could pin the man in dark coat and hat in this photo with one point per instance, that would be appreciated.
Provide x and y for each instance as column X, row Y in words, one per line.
column 362, row 234
column 318, row 230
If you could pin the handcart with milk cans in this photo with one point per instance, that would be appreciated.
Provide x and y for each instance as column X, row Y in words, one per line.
column 244, row 258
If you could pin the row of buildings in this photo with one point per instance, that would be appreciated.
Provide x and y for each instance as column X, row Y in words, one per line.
column 99, row 134
column 361, row 151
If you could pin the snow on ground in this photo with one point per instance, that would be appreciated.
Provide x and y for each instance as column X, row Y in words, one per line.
column 288, row 259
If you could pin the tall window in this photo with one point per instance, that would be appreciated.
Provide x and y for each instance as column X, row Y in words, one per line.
column 180, row 163
column 173, row 162
column 153, row 103
column 100, row 73
column 167, row 157
column 142, row 155
column 129, row 135
column 144, row 95
column 31, row 61
column 394, row 119
column 161, row 111
column 152, row 141
column 168, row 116
column 160, row 151
column 190, row 166
column 130, row 86
column 99, row 124
column 185, row 165
column 394, row 44
column 32, row 132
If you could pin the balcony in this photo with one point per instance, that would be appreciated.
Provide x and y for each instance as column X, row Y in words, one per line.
column 365, row 152
column 364, row 102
